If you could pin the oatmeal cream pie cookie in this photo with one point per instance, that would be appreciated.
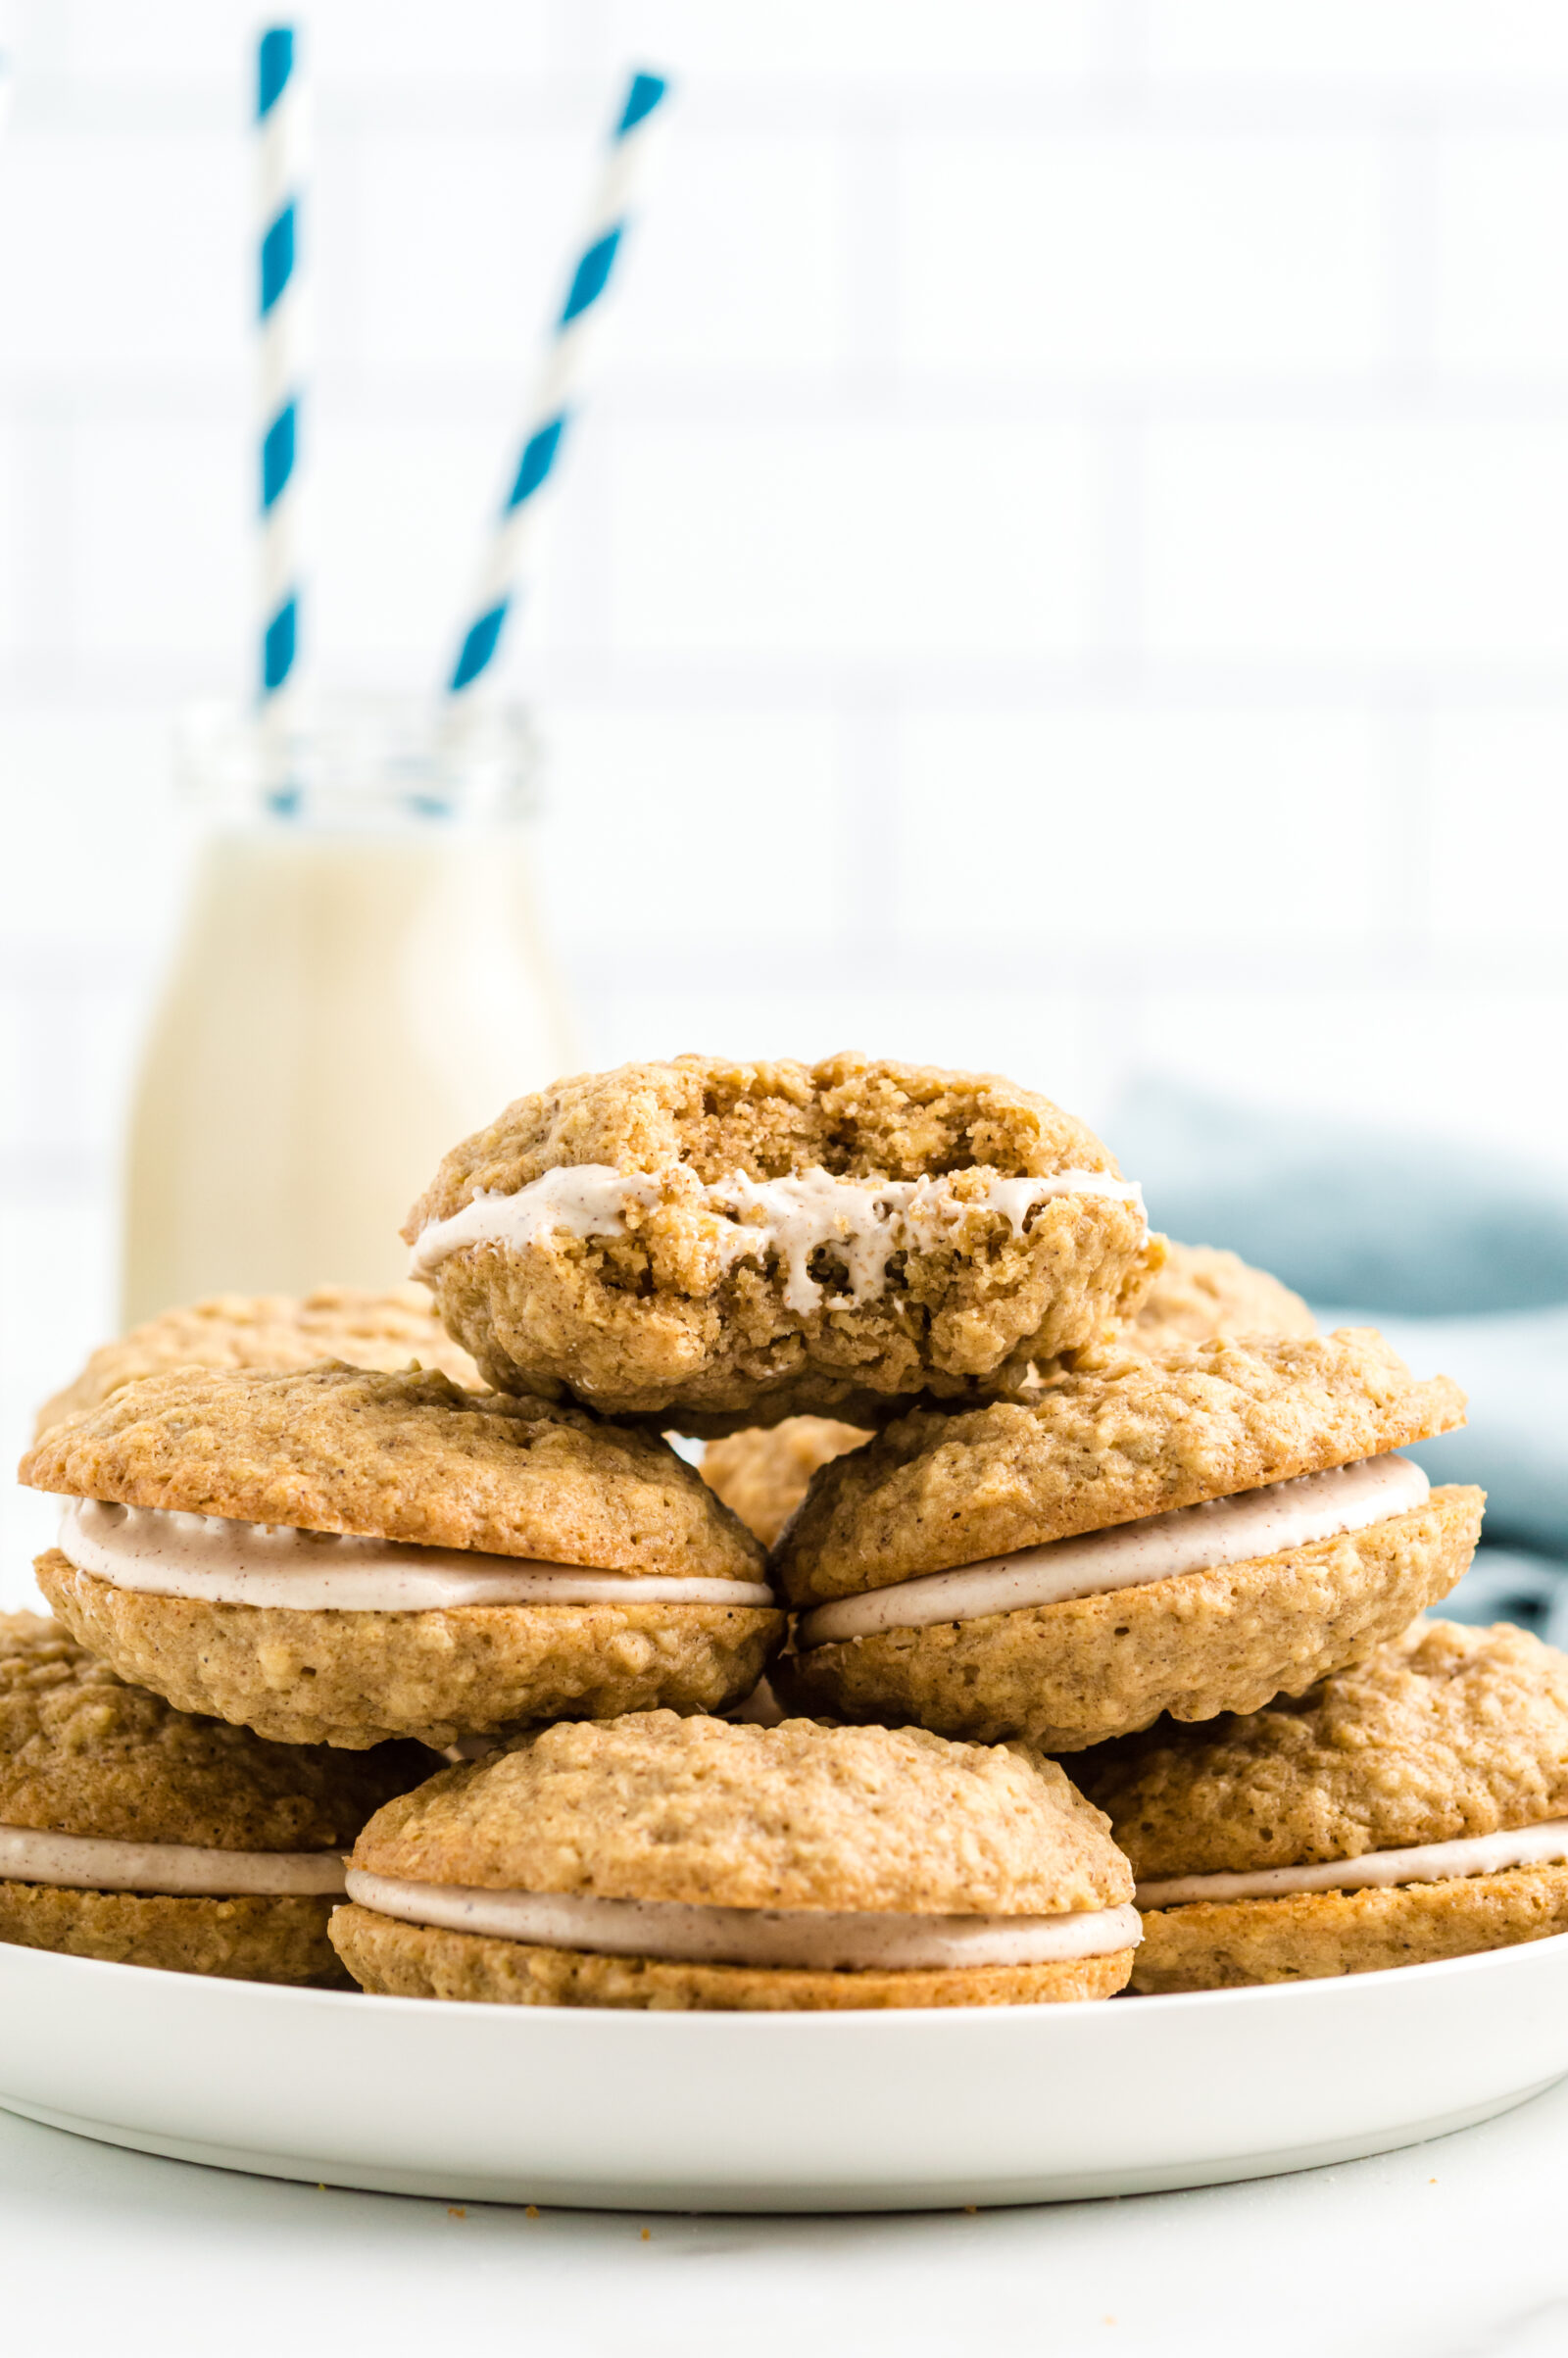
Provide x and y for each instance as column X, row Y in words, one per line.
column 722, row 1245
column 691, row 1864
column 1191, row 1532
column 1201, row 1291
column 1412, row 1807
column 338, row 1556
column 395, row 1329
column 762, row 1474
column 133, row 1833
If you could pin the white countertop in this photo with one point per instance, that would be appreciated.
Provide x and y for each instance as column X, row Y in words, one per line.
column 1447, row 2249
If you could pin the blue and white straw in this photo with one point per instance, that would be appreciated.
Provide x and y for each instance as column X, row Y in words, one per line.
column 280, row 144
column 559, row 391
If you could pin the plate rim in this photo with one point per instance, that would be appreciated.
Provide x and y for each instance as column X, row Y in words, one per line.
column 210, row 2074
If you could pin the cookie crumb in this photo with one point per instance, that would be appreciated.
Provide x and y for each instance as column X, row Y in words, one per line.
column 648, row 2235
column 530, row 2210
column 455, row 2212
column 971, row 2210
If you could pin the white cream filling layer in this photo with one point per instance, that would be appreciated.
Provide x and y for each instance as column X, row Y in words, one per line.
column 1189, row 1539
column 87, row 1863
column 221, row 1562
column 811, row 1939
column 865, row 1222
column 1427, row 1862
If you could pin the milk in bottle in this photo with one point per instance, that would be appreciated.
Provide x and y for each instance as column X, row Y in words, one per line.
column 361, row 981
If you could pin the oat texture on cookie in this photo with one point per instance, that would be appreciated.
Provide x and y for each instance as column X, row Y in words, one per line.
column 1122, row 1435
column 811, row 1832
column 1315, row 1936
column 410, row 1459
column 400, row 1456
column 1441, row 1733
column 246, row 1938
column 678, row 1305
column 394, row 1329
column 655, row 1807
column 415, row 1960
column 1077, row 1673
column 85, row 1752
column 1203, row 1290
column 764, row 1473
column 355, row 1679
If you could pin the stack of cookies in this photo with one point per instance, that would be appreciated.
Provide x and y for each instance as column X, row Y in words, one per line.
column 1091, row 1575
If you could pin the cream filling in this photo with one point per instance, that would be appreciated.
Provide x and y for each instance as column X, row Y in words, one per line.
column 209, row 1557
column 87, row 1862
column 1426, row 1862
column 1186, row 1538
column 811, row 1939
column 865, row 1222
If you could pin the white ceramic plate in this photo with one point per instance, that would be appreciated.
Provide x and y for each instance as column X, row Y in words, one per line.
column 731, row 2112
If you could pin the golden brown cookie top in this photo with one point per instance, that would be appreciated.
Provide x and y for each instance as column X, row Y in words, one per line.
column 1203, row 1290
column 854, row 1116
column 653, row 1806
column 1445, row 1732
column 395, row 1329
column 399, row 1457
column 1120, row 1435
column 761, row 1474
column 83, row 1752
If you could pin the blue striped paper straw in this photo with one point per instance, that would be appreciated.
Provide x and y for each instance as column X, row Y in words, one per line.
column 280, row 143
column 559, row 391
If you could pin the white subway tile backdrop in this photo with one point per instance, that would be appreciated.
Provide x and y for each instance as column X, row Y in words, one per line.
column 1063, row 570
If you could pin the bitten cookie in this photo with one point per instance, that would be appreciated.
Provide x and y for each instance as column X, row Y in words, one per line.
column 338, row 1556
column 1190, row 1532
column 696, row 1865
column 1201, row 1291
column 723, row 1245
column 762, row 1474
column 397, row 1329
column 132, row 1833
column 1412, row 1807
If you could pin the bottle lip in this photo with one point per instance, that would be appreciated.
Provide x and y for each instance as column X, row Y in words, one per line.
column 351, row 760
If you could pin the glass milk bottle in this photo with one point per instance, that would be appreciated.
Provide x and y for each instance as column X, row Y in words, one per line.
column 361, row 982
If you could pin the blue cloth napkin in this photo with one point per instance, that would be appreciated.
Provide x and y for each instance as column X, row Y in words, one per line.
column 1461, row 1259
column 1515, row 1369
column 1409, row 1225
column 1503, row 1584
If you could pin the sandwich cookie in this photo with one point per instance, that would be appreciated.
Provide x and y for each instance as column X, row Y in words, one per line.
column 722, row 1245
column 1412, row 1807
column 395, row 1329
column 762, row 1474
column 694, row 1865
column 337, row 1556
column 1201, row 1291
column 132, row 1833
column 1190, row 1532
